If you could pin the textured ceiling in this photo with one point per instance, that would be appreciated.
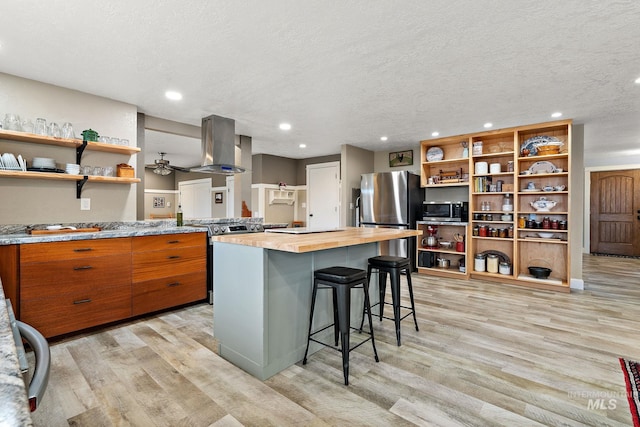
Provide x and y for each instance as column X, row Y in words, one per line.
column 343, row 72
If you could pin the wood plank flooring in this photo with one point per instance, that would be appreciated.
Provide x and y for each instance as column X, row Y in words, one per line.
column 486, row 355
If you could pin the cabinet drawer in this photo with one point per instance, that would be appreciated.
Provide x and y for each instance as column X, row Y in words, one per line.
column 168, row 262
column 43, row 252
column 153, row 295
column 53, row 278
column 71, row 312
column 168, row 241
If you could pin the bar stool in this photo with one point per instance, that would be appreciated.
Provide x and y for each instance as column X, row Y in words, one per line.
column 341, row 280
column 395, row 266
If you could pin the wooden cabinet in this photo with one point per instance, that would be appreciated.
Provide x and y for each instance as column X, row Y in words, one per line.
column 63, row 287
column 68, row 286
column 504, row 181
column 168, row 270
column 79, row 146
column 427, row 259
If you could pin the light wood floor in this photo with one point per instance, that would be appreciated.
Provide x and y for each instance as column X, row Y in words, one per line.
column 486, row 354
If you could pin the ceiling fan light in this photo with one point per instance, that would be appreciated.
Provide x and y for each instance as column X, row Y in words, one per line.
column 162, row 171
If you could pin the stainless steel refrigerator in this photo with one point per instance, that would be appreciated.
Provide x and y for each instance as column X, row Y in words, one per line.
column 392, row 200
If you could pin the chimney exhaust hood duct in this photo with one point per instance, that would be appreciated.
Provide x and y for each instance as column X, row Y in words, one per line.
column 218, row 146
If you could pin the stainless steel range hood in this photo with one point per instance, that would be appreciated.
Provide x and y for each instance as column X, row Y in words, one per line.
column 218, row 146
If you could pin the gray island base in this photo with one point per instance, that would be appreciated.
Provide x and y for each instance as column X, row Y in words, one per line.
column 262, row 300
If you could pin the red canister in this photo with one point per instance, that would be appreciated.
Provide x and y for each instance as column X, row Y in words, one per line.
column 483, row 231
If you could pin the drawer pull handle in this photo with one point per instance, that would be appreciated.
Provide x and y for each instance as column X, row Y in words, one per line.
column 173, row 257
column 173, row 241
column 174, row 284
column 83, row 250
column 83, row 267
column 82, row 301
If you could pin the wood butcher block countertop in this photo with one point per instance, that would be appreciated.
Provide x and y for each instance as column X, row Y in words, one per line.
column 310, row 242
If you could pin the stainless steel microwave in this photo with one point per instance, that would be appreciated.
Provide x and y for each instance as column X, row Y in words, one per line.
column 445, row 211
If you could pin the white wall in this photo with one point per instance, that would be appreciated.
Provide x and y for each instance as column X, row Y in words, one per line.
column 27, row 201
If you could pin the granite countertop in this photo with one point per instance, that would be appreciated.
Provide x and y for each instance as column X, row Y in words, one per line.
column 316, row 241
column 24, row 238
column 16, row 234
column 14, row 405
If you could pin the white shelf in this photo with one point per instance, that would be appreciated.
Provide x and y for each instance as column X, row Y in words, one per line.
column 282, row 197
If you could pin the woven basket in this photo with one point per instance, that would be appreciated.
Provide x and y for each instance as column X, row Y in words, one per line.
column 546, row 150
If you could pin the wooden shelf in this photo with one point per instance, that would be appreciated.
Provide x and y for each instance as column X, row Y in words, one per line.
column 441, row 250
column 66, row 177
column 448, row 184
column 64, row 142
column 447, row 161
column 497, row 154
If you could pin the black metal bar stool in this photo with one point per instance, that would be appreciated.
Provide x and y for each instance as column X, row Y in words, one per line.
column 395, row 266
column 341, row 280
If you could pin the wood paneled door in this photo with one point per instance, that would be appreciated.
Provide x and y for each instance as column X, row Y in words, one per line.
column 615, row 212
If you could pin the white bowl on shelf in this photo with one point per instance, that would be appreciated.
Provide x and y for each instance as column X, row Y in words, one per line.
column 545, row 235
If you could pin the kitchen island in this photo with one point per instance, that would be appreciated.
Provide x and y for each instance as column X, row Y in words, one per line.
column 262, row 291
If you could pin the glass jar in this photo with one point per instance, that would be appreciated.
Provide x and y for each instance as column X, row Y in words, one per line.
column 492, row 263
column 562, row 225
column 507, row 203
column 510, row 232
column 476, row 230
column 510, row 166
column 546, row 223
column 504, row 268
column 502, row 233
column 522, row 222
column 483, row 230
column 479, row 263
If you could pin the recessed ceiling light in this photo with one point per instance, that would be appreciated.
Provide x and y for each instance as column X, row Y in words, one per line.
column 435, row 133
column 638, row 81
column 285, row 126
column 383, row 138
column 488, row 125
column 556, row 114
column 173, row 95
column 302, row 145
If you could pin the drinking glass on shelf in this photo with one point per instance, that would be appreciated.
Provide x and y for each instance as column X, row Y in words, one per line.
column 28, row 126
column 86, row 170
column 54, row 130
column 124, row 142
column 41, row 127
column 12, row 122
column 115, row 141
column 108, row 171
column 67, row 131
column 97, row 171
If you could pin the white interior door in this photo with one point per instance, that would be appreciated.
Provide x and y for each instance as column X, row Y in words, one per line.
column 323, row 195
column 195, row 198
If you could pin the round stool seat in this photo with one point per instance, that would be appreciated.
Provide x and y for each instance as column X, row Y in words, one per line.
column 340, row 274
column 387, row 261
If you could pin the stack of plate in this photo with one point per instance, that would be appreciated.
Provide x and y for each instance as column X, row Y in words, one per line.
column 43, row 163
column 72, row 169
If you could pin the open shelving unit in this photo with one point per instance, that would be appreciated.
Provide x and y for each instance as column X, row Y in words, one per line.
column 76, row 144
column 522, row 245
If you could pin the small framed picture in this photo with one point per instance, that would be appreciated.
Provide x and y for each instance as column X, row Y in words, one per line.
column 158, row 202
column 218, row 197
column 401, row 158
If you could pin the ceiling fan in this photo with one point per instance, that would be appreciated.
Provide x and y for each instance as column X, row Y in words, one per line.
column 162, row 167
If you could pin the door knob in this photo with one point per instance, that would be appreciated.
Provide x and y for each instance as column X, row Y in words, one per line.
column 310, row 214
